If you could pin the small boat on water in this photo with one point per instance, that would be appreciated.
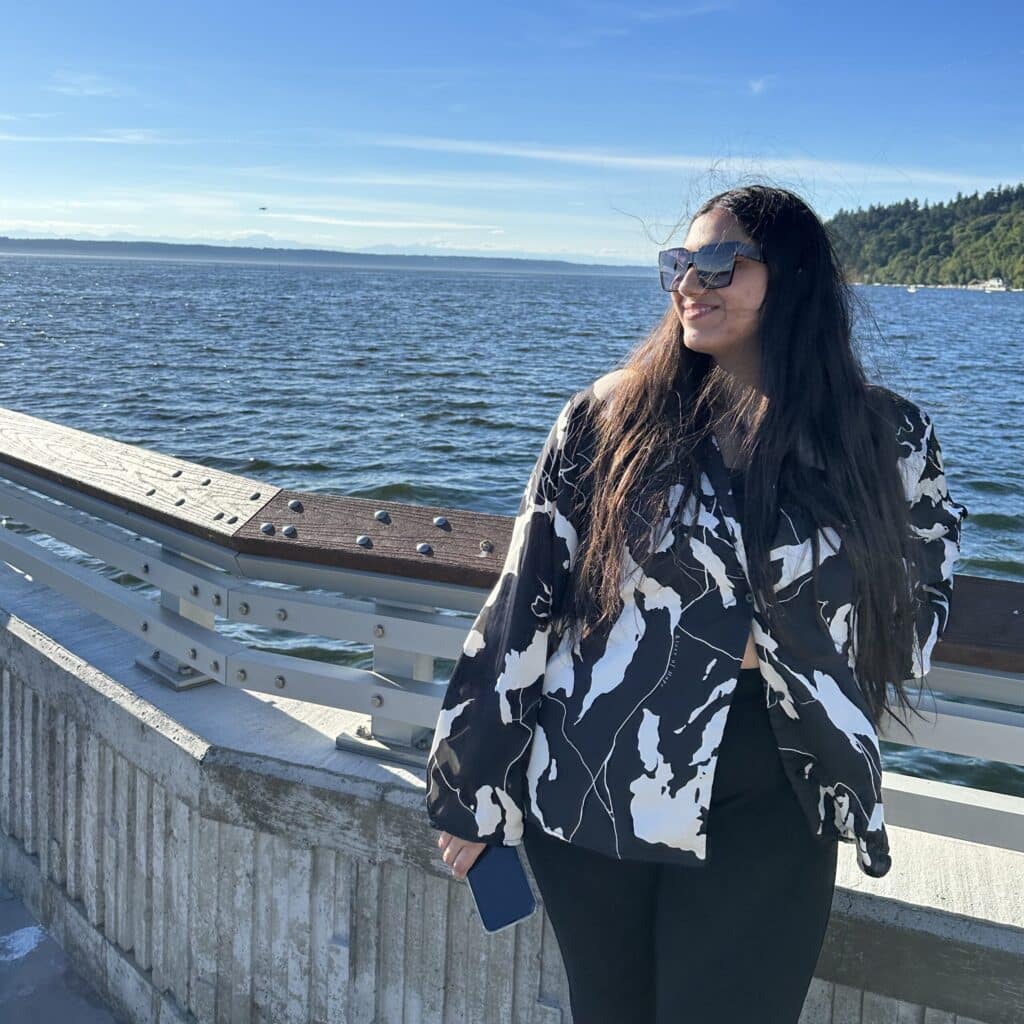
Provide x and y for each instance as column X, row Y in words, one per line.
column 912, row 288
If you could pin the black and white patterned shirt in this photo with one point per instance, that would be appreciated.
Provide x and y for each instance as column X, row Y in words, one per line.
column 613, row 744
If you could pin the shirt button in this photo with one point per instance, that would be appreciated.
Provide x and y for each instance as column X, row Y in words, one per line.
column 749, row 598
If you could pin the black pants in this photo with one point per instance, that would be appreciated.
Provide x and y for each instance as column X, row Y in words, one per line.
column 732, row 941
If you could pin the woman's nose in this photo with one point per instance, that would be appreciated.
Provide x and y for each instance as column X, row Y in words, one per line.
column 688, row 283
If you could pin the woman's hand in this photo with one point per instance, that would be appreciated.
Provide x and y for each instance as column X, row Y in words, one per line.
column 458, row 854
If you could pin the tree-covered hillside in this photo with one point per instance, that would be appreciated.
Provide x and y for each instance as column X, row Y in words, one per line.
column 969, row 238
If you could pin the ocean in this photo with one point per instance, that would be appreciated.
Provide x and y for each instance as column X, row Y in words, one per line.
column 438, row 387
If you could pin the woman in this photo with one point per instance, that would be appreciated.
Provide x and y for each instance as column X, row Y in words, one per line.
column 727, row 551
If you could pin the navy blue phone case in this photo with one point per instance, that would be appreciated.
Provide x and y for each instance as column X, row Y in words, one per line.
column 500, row 887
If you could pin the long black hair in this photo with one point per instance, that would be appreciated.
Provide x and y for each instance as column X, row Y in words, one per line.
column 813, row 430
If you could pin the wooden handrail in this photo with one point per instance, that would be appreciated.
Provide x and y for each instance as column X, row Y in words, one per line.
column 986, row 626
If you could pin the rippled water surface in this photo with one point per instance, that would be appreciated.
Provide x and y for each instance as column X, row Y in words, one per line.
column 438, row 387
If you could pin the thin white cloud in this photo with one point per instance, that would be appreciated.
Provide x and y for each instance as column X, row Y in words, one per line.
column 109, row 136
column 353, row 222
column 78, row 83
column 455, row 180
column 50, row 226
column 802, row 167
column 757, row 85
column 656, row 14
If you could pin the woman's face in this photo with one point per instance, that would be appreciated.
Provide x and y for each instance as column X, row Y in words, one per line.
column 722, row 322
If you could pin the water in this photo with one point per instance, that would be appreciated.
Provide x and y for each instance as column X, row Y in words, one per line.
column 439, row 387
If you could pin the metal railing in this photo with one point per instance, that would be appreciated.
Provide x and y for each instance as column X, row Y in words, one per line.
column 401, row 608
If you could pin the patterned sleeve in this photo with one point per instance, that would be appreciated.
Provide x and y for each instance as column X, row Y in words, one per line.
column 477, row 761
column 935, row 520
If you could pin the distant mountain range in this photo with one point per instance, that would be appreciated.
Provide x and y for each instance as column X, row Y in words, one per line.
column 321, row 257
column 970, row 238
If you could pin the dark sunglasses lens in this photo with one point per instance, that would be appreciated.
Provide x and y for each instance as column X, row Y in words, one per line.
column 714, row 269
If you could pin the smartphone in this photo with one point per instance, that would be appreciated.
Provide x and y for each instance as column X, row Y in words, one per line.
column 500, row 887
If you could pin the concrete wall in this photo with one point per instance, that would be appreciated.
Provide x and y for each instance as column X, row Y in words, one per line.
column 210, row 855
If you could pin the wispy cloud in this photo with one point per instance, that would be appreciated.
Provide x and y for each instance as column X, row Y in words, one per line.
column 362, row 222
column 110, row 136
column 656, row 14
column 758, row 85
column 804, row 167
column 24, row 117
column 51, row 227
column 460, row 181
column 78, row 83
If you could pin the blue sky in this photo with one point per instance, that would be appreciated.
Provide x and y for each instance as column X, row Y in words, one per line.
column 575, row 130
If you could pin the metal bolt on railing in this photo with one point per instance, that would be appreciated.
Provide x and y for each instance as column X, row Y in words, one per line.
column 376, row 700
column 279, row 682
column 241, row 675
column 378, row 630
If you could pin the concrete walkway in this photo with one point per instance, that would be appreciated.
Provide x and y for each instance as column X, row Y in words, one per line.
column 37, row 984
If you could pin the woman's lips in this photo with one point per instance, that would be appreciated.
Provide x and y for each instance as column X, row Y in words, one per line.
column 696, row 311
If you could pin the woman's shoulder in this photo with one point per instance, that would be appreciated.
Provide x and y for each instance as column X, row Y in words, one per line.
column 898, row 409
column 600, row 391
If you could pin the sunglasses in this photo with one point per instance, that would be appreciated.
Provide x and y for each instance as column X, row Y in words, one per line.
column 715, row 263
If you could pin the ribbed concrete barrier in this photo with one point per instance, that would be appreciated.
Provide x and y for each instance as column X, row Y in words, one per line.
column 211, row 855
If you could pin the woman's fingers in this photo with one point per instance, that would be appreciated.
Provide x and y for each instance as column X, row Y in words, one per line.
column 458, row 854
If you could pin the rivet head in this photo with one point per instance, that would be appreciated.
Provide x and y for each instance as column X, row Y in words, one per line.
column 363, row 541
column 290, row 531
column 279, row 682
column 217, row 600
column 382, row 515
column 192, row 653
column 195, row 589
column 486, row 546
column 241, row 675
column 243, row 608
column 214, row 666
column 255, row 496
column 151, row 492
column 282, row 614
column 180, row 501
column 376, row 700
column 440, row 521
column 177, row 472
column 378, row 630
column 145, row 567
column 219, row 515
column 145, row 627
column 424, row 549
column 267, row 528
column 206, row 482
column 295, row 505
column 233, row 519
